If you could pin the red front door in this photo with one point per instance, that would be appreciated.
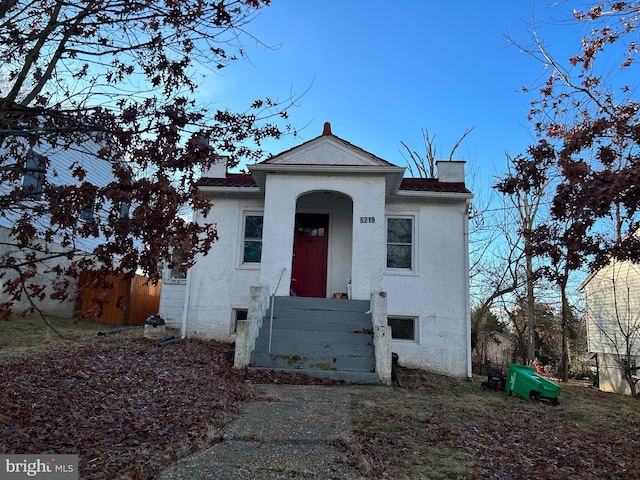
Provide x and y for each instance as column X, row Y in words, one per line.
column 310, row 247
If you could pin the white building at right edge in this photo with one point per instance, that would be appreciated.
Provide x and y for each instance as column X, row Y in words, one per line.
column 612, row 296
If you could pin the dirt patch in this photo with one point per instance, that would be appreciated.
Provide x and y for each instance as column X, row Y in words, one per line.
column 32, row 335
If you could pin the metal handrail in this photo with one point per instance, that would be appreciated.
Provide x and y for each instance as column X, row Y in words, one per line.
column 273, row 295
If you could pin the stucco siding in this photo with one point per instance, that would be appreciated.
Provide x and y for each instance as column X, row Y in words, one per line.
column 368, row 244
column 433, row 292
column 436, row 292
column 220, row 281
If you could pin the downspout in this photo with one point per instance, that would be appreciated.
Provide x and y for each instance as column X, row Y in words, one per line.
column 185, row 307
column 187, row 296
column 468, row 291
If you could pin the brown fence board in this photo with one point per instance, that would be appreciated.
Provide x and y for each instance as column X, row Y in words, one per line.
column 127, row 301
column 145, row 300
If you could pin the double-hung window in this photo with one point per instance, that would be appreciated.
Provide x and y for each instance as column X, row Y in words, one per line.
column 33, row 176
column 400, row 243
column 178, row 270
column 252, row 239
column 88, row 207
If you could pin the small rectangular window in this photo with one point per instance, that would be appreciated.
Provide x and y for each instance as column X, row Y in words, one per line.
column 402, row 328
column 400, row 243
column 124, row 210
column 34, row 175
column 252, row 242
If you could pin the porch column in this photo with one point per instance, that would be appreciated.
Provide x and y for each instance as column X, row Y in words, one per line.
column 277, row 234
column 369, row 238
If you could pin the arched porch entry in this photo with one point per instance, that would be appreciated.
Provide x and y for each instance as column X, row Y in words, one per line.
column 322, row 244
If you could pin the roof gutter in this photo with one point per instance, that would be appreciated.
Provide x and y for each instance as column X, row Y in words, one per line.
column 230, row 190
column 435, row 195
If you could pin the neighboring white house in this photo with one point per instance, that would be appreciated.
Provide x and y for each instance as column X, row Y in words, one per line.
column 613, row 322
column 58, row 171
column 328, row 219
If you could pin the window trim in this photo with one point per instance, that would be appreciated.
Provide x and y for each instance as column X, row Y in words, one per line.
column 243, row 226
column 401, row 270
column 416, row 323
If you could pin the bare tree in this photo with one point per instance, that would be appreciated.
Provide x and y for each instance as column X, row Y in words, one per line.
column 587, row 116
column 527, row 202
column 424, row 166
column 116, row 81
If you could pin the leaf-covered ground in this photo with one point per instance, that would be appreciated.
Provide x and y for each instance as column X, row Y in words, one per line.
column 128, row 408
column 125, row 406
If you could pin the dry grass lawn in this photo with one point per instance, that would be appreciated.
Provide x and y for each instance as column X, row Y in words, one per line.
column 99, row 390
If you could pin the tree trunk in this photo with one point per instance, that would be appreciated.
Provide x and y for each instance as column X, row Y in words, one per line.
column 565, row 326
column 531, row 351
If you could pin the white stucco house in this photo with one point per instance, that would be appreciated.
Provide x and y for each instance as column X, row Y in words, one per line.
column 612, row 314
column 329, row 220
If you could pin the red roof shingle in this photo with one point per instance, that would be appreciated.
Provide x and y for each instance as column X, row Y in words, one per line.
column 245, row 180
column 232, row 180
column 432, row 185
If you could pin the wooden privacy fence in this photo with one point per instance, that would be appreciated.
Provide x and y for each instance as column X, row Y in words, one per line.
column 127, row 301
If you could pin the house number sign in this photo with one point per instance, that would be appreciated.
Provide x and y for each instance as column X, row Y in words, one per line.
column 367, row 219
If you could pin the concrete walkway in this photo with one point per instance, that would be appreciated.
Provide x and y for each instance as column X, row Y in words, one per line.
column 290, row 435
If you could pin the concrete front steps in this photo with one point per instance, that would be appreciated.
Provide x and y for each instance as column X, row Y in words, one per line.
column 327, row 338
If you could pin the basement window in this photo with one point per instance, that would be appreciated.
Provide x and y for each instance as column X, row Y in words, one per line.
column 402, row 328
column 238, row 314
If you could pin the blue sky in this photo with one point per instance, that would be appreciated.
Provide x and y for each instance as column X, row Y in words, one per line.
column 382, row 71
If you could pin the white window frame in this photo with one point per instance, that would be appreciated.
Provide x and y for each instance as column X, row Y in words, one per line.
column 243, row 226
column 401, row 270
column 415, row 327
